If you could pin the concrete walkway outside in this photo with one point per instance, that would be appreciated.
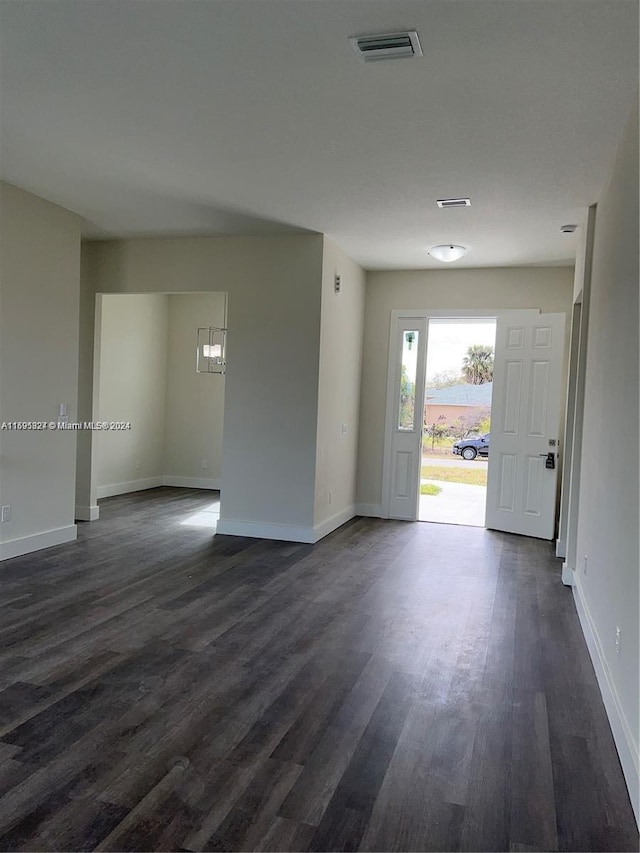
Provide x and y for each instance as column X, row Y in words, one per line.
column 457, row 503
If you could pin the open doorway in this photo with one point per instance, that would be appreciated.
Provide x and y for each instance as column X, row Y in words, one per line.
column 457, row 420
column 169, row 416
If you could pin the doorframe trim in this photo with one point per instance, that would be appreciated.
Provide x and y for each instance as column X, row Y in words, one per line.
column 427, row 314
column 570, row 495
column 569, row 427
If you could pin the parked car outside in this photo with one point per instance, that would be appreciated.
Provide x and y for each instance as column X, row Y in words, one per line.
column 470, row 447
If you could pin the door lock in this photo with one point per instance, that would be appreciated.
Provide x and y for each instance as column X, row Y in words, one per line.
column 550, row 460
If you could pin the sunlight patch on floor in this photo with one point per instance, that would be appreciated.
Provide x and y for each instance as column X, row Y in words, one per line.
column 206, row 517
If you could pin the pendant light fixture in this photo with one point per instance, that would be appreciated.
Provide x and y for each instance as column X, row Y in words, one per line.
column 211, row 347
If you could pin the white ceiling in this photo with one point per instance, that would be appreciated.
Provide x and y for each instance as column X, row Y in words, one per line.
column 255, row 116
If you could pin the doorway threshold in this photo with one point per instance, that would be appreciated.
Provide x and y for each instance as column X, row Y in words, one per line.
column 451, row 523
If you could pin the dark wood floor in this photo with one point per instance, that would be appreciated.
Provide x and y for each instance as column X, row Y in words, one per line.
column 395, row 687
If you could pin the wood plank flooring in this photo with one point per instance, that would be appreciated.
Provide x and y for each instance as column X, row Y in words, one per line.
column 395, row 687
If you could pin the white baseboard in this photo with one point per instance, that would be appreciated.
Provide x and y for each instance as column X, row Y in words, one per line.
column 214, row 483
column 325, row 527
column 112, row 489
column 87, row 513
column 567, row 574
column 285, row 532
column 622, row 733
column 561, row 549
column 282, row 532
column 130, row 486
column 369, row 510
column 38, row 541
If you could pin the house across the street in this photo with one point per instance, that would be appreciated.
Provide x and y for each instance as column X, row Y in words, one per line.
column 462, row 403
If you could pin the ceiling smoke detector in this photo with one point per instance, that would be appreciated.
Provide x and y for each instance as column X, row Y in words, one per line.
column 447, row 252
column 453, row 202
column 568, row 229
column 404, row 45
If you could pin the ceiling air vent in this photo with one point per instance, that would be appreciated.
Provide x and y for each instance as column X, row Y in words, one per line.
column 404, row 45
column 454, row 202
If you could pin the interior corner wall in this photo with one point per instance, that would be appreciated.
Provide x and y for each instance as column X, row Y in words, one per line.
column 607, row 589
column 271, row 388
column 547, row 288
column 341, row 335
column 86, row 499
column 195, row 401
column 39, row 305
column 132, row 390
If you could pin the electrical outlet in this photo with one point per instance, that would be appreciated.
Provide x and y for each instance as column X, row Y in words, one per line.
column 204, row 464
column 137, row 463
column 584, row 568
column 330, row 497
column 618, row 633
column 6, row 513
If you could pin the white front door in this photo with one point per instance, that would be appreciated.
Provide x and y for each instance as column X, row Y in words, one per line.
column 405, row 416
column 525, row 423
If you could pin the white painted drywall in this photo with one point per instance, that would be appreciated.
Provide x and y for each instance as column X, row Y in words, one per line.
column 132, row 388
column 39, row 299
column 549, row 289
column 271, row 393
column 88, row 343
column 609, row 509
column 195, row 401
column 338, row 388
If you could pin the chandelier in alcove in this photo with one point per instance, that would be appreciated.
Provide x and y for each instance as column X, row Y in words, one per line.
column 211, row 347
column 211, row 356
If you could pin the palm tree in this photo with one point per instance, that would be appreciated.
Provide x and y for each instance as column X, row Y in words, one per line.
column 477, row 365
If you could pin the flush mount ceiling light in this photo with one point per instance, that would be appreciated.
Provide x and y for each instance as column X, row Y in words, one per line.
column 404, row 45
column 447, row 252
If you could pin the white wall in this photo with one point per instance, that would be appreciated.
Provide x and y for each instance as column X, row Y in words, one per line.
column 132, row 388
column 274, row 292
column 39, row 299
column 195, row 401
column 549, row 289
column 607, row 593
column 338, row 389
column 86, row 507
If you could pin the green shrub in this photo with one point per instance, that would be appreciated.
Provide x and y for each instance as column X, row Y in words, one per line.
column 430, row 489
